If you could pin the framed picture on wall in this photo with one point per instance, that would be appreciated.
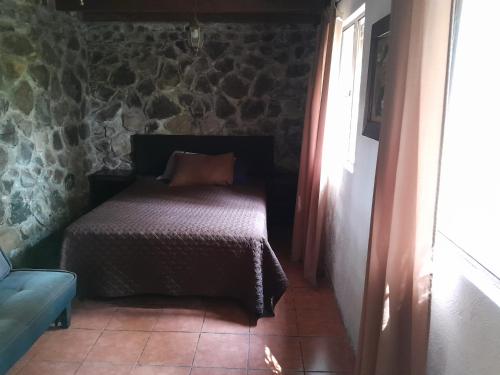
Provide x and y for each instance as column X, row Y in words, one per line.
column 377, row 77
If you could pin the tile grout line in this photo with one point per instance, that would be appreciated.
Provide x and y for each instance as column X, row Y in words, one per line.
column 249, row 321
column 90, row 350
column 32, row 360
column 302, row 356
column 134, row 366
column 248, row 352
column 101, row 331
column 199, row 338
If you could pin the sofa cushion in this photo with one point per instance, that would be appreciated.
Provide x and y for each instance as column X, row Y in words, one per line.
column 5, row 266
column 30, row 300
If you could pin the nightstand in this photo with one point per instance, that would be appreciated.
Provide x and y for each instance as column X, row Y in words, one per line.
column 104, row 184
column 282, row 193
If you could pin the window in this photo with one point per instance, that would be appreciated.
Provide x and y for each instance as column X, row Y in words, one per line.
column 469, row 199
column 349, row 79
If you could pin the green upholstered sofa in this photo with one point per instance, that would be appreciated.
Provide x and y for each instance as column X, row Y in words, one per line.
column 30, row 301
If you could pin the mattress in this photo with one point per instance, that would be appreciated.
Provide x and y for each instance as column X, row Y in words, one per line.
column 185, row 241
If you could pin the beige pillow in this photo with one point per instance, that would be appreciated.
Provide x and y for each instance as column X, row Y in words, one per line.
column 170, row 167
column 199, row 169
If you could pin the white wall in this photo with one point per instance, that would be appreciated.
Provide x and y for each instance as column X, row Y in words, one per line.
column 465, row 318
column 350, row 214
column 465, row 308
column 465, row 330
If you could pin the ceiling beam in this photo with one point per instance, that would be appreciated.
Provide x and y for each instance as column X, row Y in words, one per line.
column 184, row 10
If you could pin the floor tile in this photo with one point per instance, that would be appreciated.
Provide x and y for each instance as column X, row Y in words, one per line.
column 119, row 347
column 22, row 362
column 134, row 319
column 295, row 274
column 170, row 348
column 179, row 319
column 217, row 371
column 323, row 322
column 226, row 318
column 49, row 367
column 283, row 323
column 141, row 301
column 65, row 345
column 160, row 370
column 162, row 334
column 101, row 368
column 313, row 298
column 194, row 303
column 275, row 353
column 222, row 350
column 286, row 301
column 326, row 354
column 89, row 315
column 283, row 372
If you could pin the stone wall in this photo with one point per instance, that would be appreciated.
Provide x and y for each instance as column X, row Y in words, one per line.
column 246, row 80
column 43, row 142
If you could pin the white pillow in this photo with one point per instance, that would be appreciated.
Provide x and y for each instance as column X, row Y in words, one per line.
column 170, row 168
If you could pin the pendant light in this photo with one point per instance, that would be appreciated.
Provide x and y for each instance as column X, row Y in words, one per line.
column 195, row 35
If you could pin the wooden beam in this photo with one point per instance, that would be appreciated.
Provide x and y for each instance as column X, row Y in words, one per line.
column 179, row 17
column 180, row 10
column 191, row 6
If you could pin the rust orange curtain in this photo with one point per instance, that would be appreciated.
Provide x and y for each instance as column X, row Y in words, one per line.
column 395, row 318
column 310, row 206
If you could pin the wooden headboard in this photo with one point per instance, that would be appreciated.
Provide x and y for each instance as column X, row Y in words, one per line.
column 150, row 153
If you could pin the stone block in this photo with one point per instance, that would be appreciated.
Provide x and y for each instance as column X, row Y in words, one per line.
column 10, row 239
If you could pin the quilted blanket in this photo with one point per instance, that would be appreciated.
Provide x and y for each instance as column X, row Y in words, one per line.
column 186, row 241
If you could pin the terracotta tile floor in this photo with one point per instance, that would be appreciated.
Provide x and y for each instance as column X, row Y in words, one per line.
column 183, row 336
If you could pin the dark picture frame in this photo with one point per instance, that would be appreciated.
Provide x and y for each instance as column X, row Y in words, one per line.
column 377, row 77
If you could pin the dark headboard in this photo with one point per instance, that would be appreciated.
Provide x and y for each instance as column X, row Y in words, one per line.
column 150, row 153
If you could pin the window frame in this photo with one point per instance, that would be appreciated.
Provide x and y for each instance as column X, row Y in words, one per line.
column 479, row 272
column 351, row 123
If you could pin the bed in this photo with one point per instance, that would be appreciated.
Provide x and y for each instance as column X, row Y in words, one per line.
column 182, row 241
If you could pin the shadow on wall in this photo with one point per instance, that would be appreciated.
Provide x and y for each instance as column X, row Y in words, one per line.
column 45, row 254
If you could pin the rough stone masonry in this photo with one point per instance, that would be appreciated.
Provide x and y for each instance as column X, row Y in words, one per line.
column 248, row 79
column 71, row 94
column 45, row 148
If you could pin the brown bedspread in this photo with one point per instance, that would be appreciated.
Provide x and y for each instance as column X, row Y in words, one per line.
column 195, row 241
